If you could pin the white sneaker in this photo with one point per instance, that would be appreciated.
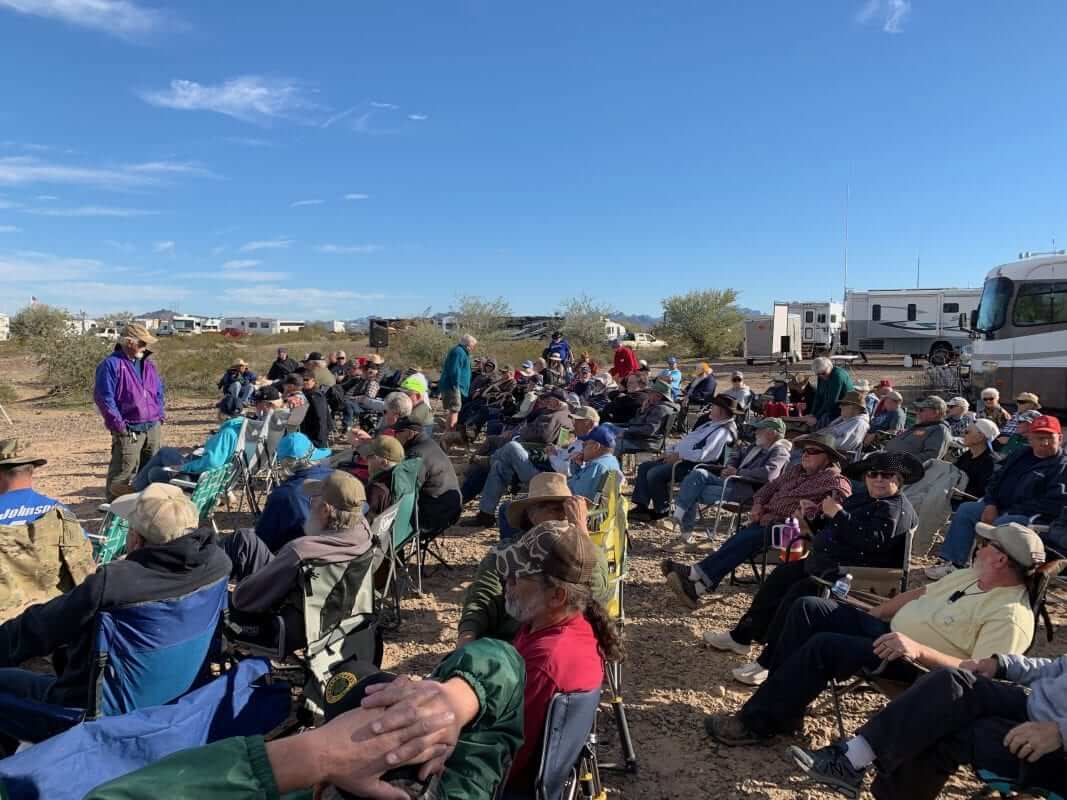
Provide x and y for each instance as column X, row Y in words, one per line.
column 722, row 640
column 939, row 571
column 750, row 674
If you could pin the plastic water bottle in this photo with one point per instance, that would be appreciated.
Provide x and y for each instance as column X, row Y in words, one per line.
column 842, row 586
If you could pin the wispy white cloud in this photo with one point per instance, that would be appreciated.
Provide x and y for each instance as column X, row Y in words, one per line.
column 172, row 168
column 250, row 98
column 302, row 298
column 299, row 203
column 241, row 263
column 122, row 18
column 418, row 117
column 384, row 106
column 45, row 198
column 9, row 229
column 890, row 14
column 164, row 247
column 31, row 266
column 19, row 170
column 125, row 247
column 337, row 117
column 348, row 249
column 265, row 244
column 248, row 141
column 357, row 196
column 241, row 275
column 91, row 211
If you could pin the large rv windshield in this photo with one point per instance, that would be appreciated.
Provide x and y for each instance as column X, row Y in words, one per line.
column 993, row 307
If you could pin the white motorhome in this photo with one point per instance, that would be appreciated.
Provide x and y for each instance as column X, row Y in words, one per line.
column 5, row 327
column 261, row 325
column 180, row 326
column 210, row 324
column 774, row 337
column 820, row 325
column 1021, row 331
column 922, row 323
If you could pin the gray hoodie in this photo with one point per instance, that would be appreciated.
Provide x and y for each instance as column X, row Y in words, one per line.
column 1047, row 681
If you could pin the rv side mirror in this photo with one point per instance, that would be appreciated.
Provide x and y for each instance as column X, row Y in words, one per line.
column 963, row 321
column 974, row 319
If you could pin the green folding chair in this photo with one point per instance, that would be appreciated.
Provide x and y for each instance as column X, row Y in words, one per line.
column 109, row 542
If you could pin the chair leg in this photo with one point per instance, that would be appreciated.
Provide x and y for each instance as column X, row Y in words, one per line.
column 835, row 693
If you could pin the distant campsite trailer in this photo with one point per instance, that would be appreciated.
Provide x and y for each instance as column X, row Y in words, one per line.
column 922, row 323
column 773, row 338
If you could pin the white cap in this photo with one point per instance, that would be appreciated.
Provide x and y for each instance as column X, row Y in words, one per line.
column 988, row 428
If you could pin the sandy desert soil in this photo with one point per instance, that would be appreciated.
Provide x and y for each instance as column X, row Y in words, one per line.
column 671, row 678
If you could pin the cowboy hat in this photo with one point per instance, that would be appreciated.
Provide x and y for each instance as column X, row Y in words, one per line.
column 823, row 443
column 239, row 363
column 545, row 487
column 9, row 455
column 904, row 464
column 726, row 402
column 852, row 399
column 862, row 385
column 374, row 358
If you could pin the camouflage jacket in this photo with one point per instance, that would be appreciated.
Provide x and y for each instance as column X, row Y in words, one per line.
column 42, row 559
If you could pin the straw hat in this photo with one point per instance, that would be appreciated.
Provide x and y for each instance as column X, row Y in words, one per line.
column 545, row 487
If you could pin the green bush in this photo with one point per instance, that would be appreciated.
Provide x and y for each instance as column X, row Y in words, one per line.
column 39, row 321
column 583, row 321
column 195, row 364
column 69, row 362
column 7, row 393
column 424, row 345
column 708, row 322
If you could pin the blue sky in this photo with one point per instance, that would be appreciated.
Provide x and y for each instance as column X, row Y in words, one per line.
column 339, row 159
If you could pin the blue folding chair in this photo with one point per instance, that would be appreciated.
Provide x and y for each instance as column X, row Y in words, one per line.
column 144, row 654
column 1006, row 787
column 568, row 751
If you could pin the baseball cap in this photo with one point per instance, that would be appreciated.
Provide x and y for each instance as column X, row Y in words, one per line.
column 557, row 549
column 958, row 401
column 341, row 490
column 894, row 395
column 602, row 435
column 160, row 514
column 1028, row 397
column 934, row 402
column 1045, row 424
column 414, row 383
column 987, row 427
column 738, row 374
column 298, row 445
column 586, row 412
column 267, row 394
column 672, row 360
column 771, row 423
column 1021, row 544
column 386, row 447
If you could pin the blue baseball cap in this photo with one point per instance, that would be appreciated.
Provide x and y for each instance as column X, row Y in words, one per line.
column 672, row 360
column 601, row 435
column 298, row 445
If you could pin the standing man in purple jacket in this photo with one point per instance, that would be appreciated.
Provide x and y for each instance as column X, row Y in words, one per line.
column 129, row 394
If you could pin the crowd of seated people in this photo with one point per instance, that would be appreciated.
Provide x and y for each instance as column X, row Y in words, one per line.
column 534, row 624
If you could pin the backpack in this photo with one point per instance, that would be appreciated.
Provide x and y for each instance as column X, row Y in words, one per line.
column 42, row 559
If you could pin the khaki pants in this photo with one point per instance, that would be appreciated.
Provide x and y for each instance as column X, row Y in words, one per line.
column 128, row 451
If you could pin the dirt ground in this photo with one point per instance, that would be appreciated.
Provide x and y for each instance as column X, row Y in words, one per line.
column 671, row 679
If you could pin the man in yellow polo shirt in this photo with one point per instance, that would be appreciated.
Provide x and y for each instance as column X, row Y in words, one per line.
column 970, row 614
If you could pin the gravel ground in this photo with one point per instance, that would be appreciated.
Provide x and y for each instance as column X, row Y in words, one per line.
column 671, row 679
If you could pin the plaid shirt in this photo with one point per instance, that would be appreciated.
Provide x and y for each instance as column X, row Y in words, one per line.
column 1011, row 426
column 781, row 497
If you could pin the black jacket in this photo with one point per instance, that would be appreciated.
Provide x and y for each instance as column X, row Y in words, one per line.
column 318, row 422
column 157, row 572
column 978, row 471
column 865, row 533
column 1025, row 484
column 280, row 368
column 437, row 475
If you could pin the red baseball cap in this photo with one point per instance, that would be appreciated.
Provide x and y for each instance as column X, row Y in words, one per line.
column 1045, row 424
column 886, row 382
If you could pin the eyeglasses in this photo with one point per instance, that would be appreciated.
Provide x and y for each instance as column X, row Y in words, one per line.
column 875, row 473
column 990, row 543
column 989, row 399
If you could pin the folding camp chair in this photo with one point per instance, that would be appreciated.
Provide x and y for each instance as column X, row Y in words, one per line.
column 660, row 438
column 336, row 604
column 144, row 654
column 109, row 542
column 568, row 769
column 608, row 528
column 405, row 543
column 249, row 461
column 207, row 490
column 994, row 784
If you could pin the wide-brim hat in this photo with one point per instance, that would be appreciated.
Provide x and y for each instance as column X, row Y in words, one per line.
column 660, row 387
column 138, row 332
column 823, row 443
column 852, row 399
column 862, row 385
column 10, row 456
column 726, row 402
column 239, row 363
column 545, row 487
column 374, row 358
column 904, row 464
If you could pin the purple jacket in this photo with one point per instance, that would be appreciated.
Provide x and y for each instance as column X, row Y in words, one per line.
column 123, row 396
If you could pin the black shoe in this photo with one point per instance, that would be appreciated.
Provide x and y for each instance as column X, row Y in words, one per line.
column 830, row 766
column 640, row 514
column 678, row 579
column 728, row 729
column 480, row 520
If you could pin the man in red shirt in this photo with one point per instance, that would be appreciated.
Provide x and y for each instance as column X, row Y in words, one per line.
column 565, row 635
column 625, row 361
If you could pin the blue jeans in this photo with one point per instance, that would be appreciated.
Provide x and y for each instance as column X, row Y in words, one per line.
column 735, row 551
column 473, row 481
column 153, row 472
column 509, row 462
column 28, row 686
column 507, row 532
column 653, row 484
column 960, row 537
column 242, row 391
column 699, row 486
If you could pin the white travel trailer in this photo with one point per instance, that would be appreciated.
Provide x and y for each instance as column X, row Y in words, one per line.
column 260, row 325
column 210, row 325
column 922, row 323
column 1021, row 331
column 5, row 327
column 773, row 338
column 820, row 325
column 180, row 326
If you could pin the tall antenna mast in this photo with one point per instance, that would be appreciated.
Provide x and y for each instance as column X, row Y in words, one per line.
column 845, row 286
column 917, row 257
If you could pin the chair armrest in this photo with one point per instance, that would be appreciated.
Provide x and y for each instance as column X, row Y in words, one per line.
column 962, row 495
column 183, row 484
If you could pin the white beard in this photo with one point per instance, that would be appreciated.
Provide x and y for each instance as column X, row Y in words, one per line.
column 522, row 613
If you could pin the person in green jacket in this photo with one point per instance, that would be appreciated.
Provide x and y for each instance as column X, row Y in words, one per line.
column 465, row 723
column 455, row 382
column 833, row 383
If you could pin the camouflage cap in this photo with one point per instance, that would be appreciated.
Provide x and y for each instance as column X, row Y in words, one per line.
column 9, row 455
column 557, row 549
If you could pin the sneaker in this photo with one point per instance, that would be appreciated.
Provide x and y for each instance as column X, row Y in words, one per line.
column 728, row 729
column 640, row 513
column 831, row 767
column 750, row 674
column 678, row 579
column 939, row 571
column 669, row 524
column 482, row 519
column 722, row 640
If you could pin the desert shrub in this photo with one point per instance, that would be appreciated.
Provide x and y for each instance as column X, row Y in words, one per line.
column 482, row 317
column 195, row 364
column 708, row 323
column 424, row 345
column 7, row 393
column 69, row 363
column 583, row 321
column 39, row 321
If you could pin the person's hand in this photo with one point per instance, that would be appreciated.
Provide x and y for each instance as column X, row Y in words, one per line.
column 671, row 458
column 551, row 450
column 756, row 512
column 990, row 513
column 464, row 638
column 360, row 434
column 1032, row 740
column 986, row 667
column 830, row 506
column 891, row 646
column 728, row 471
column 422, row 708
column 808, row 507
column 812, row 421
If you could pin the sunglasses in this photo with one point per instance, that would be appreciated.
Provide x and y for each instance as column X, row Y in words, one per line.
column 876, row 473
column 811, row 451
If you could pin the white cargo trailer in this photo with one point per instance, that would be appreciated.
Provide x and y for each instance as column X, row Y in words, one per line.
column 820, row 325
column 774, row 337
